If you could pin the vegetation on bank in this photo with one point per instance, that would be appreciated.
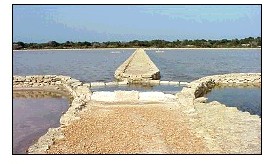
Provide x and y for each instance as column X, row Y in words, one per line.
column 249, row 42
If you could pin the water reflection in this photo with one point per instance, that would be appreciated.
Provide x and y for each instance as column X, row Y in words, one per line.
column 33, row 113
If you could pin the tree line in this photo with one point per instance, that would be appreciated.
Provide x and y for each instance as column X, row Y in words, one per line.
column 249, row 42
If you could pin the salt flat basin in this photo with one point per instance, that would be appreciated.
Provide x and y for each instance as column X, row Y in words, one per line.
column 33, row 113
column 245, row 99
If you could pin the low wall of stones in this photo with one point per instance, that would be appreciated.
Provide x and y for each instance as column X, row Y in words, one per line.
column 79, row 94
column 124, row 83
column 39, row 93
column 150, row 69
column 200, row 87
column 205, row 84
column 120, row 70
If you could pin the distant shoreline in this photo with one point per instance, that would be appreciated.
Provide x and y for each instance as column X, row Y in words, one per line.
column 72, row 49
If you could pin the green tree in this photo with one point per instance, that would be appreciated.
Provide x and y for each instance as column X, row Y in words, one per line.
column 53, row 44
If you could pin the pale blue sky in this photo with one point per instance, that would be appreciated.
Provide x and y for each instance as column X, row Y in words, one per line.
column 42, row 23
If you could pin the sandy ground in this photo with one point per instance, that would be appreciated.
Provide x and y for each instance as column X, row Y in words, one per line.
column 126, row 129
column 162, row 128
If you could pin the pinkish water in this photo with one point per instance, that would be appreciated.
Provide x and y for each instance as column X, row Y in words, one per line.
column 34, row 112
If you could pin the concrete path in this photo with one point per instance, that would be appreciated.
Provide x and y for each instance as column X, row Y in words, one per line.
column 137, row 67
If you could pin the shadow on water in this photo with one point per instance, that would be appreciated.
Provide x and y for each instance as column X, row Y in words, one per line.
column 244, row 98
column 33, row 113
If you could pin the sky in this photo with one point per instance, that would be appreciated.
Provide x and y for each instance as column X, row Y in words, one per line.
column 43, row 23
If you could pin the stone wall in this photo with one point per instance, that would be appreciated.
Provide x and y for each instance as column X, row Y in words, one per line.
column 39, row 93
column 200, row 87
column 203, row 85
column 120, row 70
column 137, row 68
column 79, row 94
column 142, row 83
column 218, row 124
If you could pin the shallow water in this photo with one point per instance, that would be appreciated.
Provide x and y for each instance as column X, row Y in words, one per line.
column 100, row 65
column 33, row 113
column 84, row 65
column 245, row 99
column 188, row 65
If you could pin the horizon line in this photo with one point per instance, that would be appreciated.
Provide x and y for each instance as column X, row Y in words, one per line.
column 140, row 40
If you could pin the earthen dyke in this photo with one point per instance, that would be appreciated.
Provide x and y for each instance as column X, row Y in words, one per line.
column 137, row 68
column 82, row 95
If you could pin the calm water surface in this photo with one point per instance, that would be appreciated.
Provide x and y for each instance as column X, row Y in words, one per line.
column 84, row 65
column 192, row 64
column 33, row 113
column 100, row 65
column 246, row 99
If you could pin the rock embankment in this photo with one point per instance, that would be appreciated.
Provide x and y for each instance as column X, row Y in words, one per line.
column 39, row 93
column 137, row 68
column 203, row 85
column 224, row 129
column 79, row 94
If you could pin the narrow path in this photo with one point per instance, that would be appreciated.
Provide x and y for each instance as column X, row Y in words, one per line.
column 126, row 129
column 140, row 64
column 137, row 67
column 156, row 144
